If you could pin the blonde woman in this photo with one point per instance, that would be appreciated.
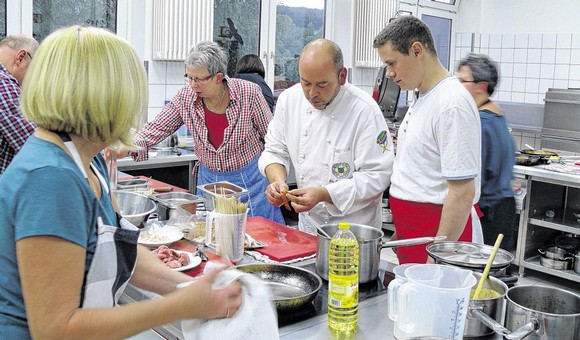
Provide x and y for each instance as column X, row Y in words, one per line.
column 66, row 255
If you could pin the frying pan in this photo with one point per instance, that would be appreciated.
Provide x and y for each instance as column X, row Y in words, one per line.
column 292, row 287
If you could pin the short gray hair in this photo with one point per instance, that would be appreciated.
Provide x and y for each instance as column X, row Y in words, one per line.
column 402, row 32
column 483, row 68
column 210, row 55
column 20, row 42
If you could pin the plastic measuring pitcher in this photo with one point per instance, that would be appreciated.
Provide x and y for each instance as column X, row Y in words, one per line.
column 230, row 232
column 432, row 301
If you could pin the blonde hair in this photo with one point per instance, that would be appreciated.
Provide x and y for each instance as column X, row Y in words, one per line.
column 86, row 81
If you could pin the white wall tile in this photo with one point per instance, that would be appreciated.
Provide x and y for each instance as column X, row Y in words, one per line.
column 519, row 84
column 549, row 40
column 157, row 72
column 505, row 96
column 575, row 40
column 521, row 41
column 477, row 40
column 574, row 84
column 507, row 55
column 518, row 97
column 563, row 56
column 564, row 40
column 561, row 83
column 534, row 55
column 506, row 69
column 508, row 41
column 171, row 91
column 548, row 56
column 545, row 84
column 561, row 71
column 575, row 56
column 521, row 55
column 547, row 71
column 484, row 50
column 535, row 41
column 531, row 98
column 156, row 95
column 532, row 85
column 466, row 39
column 495, row 53
column 495, row 40
column 505, row 83
column 533, row 71
column 175, row 73
column 152, row 112
column 574, row 72
column 485, row 40
column 465, row 51
column 519, row 70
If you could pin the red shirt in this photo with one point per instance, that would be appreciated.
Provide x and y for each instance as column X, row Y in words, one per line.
column 216, row 125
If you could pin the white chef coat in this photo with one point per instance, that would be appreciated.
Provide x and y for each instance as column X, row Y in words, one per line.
column 346, row 148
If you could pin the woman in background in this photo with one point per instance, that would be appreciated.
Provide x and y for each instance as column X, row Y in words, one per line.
column 250, row 68
column 66, row 255
column 478, row 73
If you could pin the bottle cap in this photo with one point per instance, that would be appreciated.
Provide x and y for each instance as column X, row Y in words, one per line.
column 343, row 225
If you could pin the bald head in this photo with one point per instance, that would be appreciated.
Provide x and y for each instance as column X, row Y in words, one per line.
column 323, row 49
column 16, row 52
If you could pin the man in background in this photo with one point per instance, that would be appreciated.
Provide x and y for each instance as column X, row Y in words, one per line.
column 436, row 174
column 15, row 55
column 336, row 138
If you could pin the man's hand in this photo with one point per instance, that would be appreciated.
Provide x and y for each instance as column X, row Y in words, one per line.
column 276, row 194
column 304, row 199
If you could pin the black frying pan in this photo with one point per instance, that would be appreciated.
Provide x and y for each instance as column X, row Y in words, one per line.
column 292, row 287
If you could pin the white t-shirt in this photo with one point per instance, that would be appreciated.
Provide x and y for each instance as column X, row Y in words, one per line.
column 346, row 148
column 438, row 140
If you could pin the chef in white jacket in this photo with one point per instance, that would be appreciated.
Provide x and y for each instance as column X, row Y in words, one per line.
column 337, row 140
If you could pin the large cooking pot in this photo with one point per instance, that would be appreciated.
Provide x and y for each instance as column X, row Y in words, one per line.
column 539, row 313
column 471, row 256
column 292, row 287
column 370, row 244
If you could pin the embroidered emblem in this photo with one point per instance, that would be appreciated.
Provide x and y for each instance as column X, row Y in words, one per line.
column 340, row 170
column 382, row 140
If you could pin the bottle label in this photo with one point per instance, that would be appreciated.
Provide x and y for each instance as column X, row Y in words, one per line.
column 343, row 291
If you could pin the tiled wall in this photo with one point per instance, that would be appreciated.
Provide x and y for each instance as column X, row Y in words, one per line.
column 165, row 79
column 529, row 63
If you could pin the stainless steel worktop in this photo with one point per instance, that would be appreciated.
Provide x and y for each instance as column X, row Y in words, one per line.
column 536, row 171
column 158, row 159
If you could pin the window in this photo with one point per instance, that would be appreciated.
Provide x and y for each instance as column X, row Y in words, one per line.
column 50, row 15
column 2, row 19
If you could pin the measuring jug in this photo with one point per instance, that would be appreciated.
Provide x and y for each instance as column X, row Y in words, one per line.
column 230, row 230
column 431, row 301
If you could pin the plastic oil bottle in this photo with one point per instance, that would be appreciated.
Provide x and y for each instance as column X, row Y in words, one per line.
column 343, row 281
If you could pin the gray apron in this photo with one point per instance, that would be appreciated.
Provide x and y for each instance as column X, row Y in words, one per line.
column 115, row 255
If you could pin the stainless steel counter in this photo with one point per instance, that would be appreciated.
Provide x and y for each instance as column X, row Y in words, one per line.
column 536, row 171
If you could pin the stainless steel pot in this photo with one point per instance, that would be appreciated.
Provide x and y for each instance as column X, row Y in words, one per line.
column 485, row 308
column 370, row 244
column 558, row 264
column 539, row 313
column 168, row 203
column 577, row 262
column 553, row 252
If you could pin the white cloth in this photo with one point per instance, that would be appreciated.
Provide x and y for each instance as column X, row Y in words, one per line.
column 476, row 230
column 438, row 140
column 346, row 148
column 256, row 318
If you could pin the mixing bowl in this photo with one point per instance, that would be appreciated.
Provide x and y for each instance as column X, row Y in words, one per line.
column 135, row 207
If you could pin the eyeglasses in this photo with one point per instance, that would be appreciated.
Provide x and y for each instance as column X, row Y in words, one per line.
column 197, row 80
column 467, row 81
column 29, row 55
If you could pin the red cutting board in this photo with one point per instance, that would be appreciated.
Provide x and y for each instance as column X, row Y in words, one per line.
column 283, row 243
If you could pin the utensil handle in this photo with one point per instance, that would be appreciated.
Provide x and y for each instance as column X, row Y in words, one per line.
column 411, row 241
column 487, row 267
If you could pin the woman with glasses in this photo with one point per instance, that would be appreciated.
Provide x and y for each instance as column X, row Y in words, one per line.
column 227, row 118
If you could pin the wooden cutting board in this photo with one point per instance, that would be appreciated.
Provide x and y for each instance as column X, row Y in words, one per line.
column 283, row 243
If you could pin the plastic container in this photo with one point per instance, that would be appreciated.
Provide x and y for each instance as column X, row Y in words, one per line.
column 343, row 281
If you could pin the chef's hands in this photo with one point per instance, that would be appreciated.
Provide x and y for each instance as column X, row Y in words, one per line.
column 276, row 194
column 304, row 199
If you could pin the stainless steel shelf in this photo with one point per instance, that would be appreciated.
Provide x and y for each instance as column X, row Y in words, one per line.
column 534, row 263
column 567, row 225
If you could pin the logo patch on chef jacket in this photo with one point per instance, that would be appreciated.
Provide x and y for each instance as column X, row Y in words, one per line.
column 382, row 140
column 341, row 170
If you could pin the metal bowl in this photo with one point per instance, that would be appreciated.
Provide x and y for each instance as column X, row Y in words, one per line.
column 292, row 287
column 135, row 207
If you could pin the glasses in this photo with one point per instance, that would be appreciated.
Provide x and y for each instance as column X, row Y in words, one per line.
column 467, row 81
column 29, row 55
column 197, row 80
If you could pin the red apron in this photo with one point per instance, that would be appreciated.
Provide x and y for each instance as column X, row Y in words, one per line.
column 413, row 219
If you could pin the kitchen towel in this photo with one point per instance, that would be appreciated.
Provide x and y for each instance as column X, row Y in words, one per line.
column 256, row 318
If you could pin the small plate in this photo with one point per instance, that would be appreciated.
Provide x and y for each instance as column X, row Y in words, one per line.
column 166, row 236
column 194, row 261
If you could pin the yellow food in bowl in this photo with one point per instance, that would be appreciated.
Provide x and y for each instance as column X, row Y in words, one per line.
column 485, row 293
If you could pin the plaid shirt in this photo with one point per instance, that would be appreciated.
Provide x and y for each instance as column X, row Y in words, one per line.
column 14, row 128
column 248, row 117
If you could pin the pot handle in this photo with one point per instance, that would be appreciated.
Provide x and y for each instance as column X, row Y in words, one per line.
column 519, row 333
column 410, row 241
column 541, row 251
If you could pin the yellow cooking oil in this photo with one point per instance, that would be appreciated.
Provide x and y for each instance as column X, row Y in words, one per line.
column 343, row 281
